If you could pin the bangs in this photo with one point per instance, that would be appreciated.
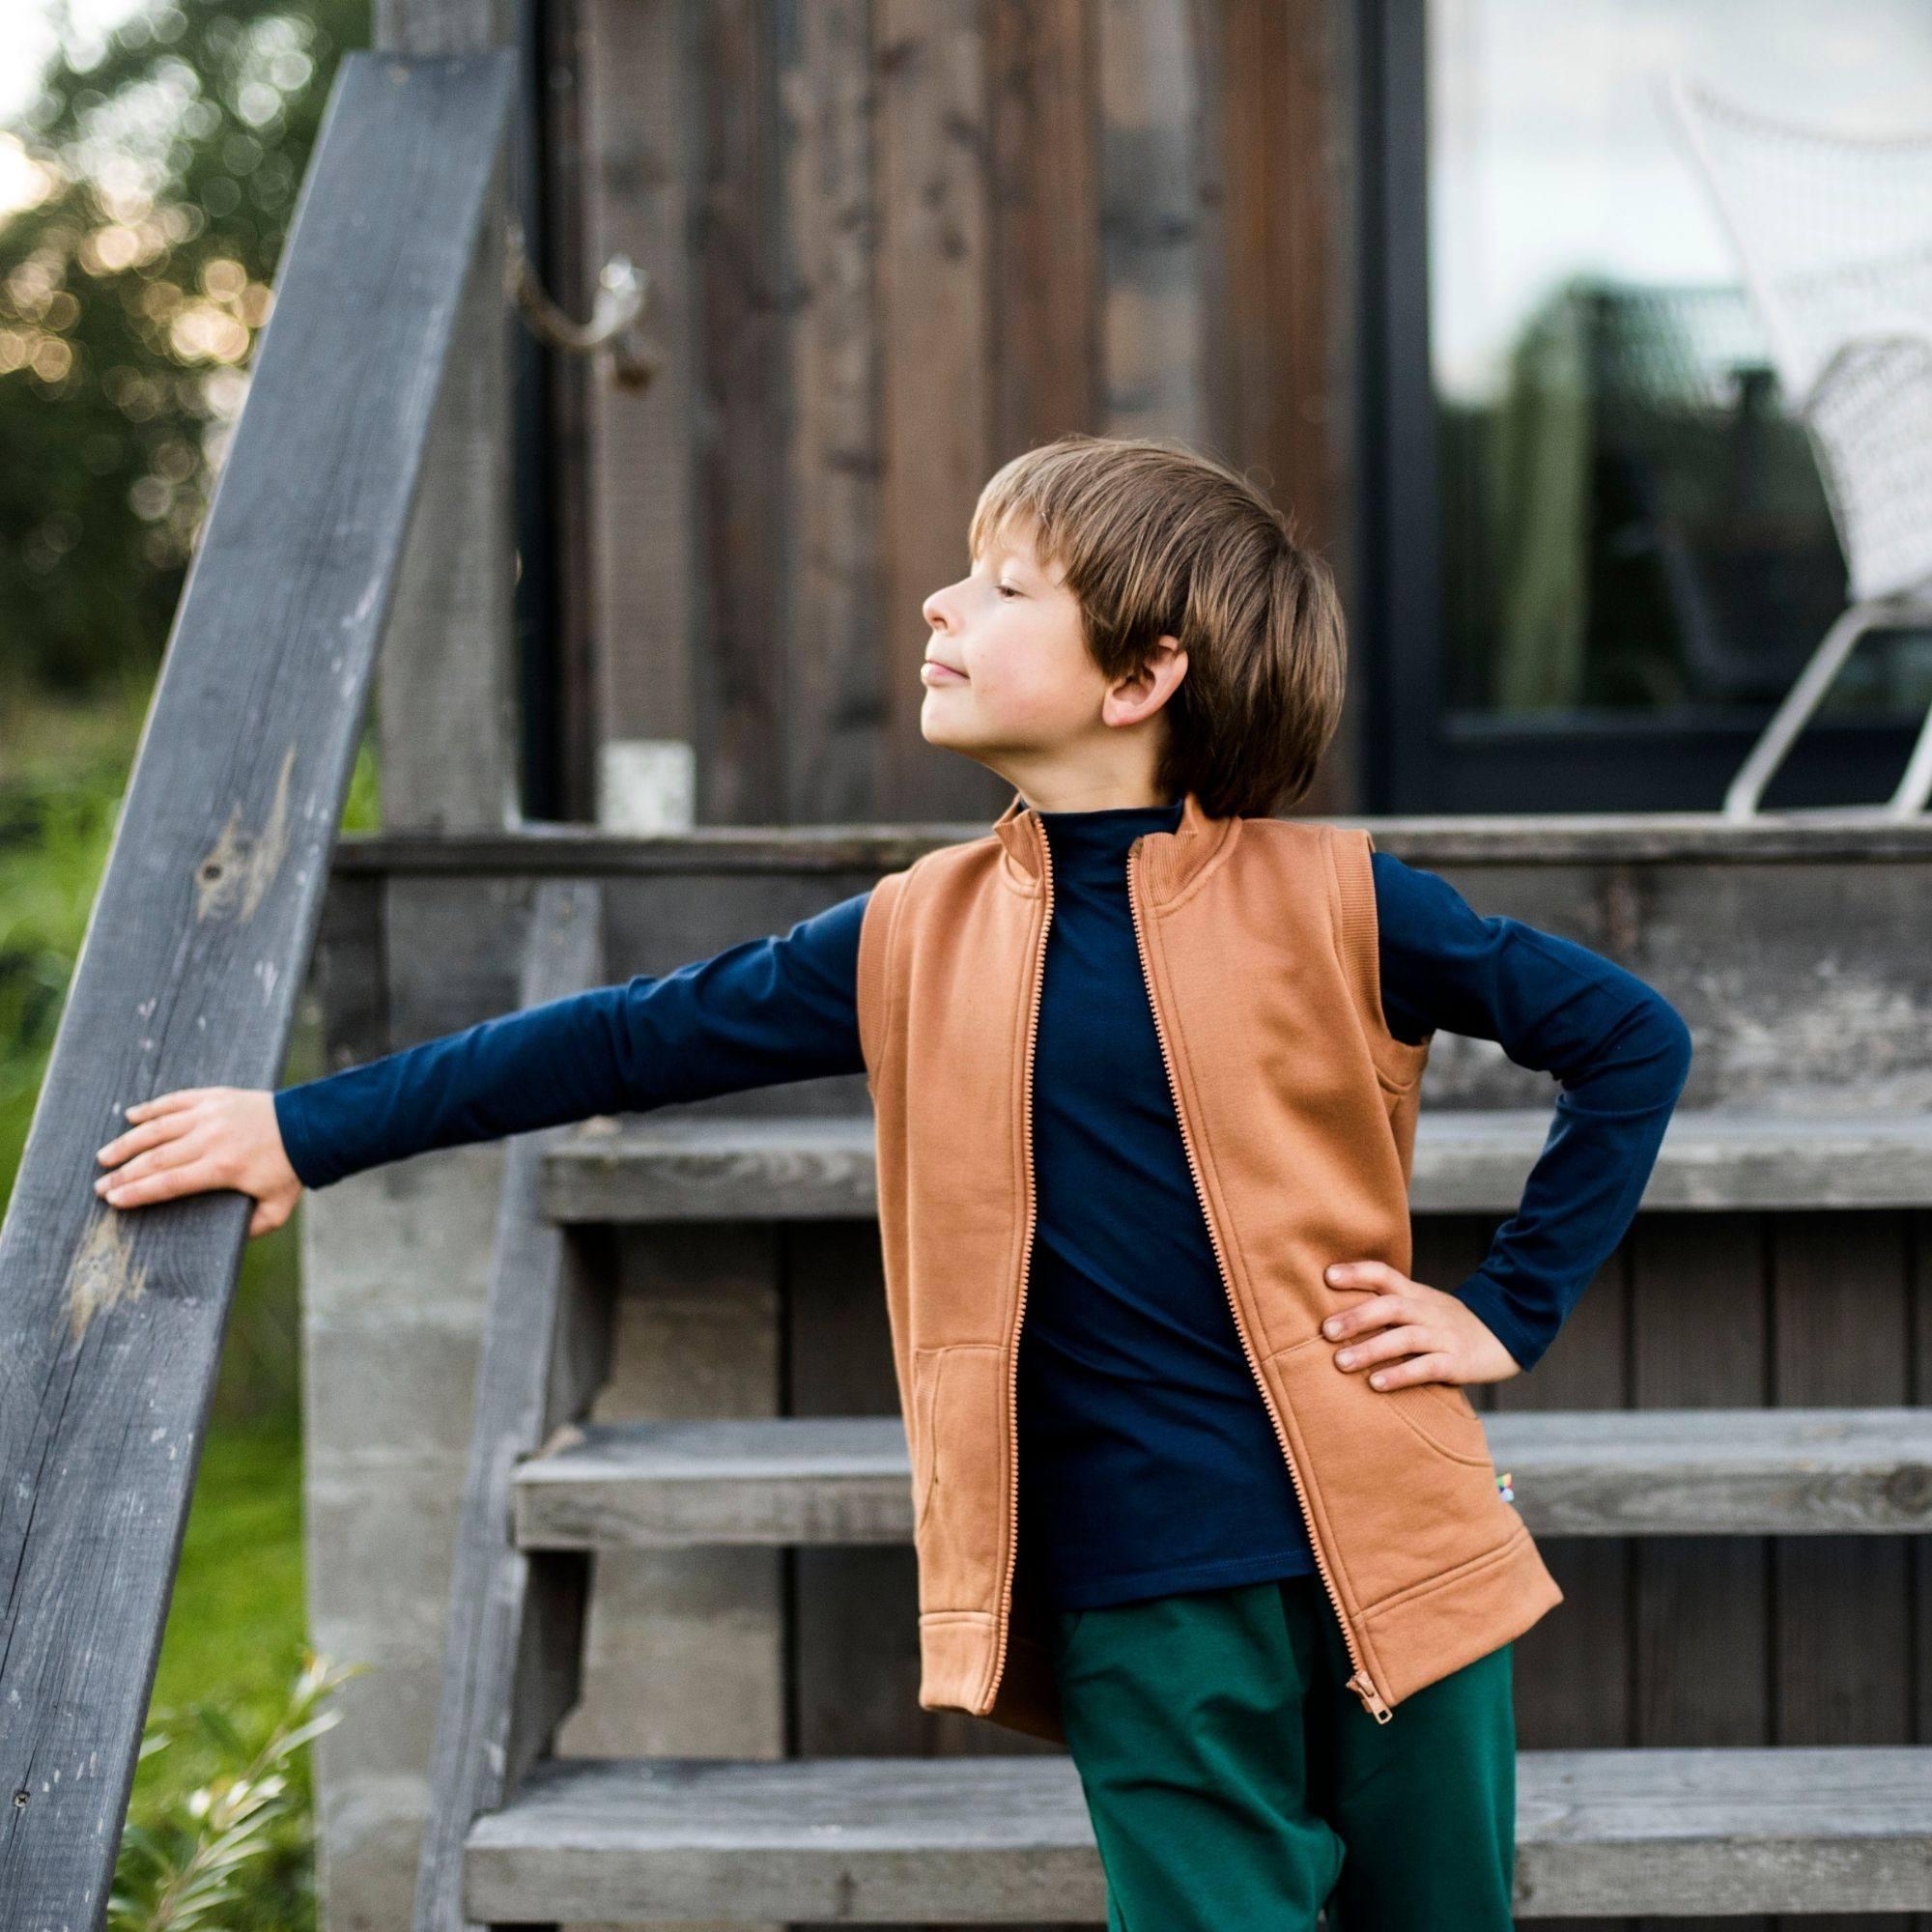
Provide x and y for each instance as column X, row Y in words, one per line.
column 1057, row 497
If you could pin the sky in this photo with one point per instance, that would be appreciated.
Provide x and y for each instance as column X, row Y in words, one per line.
column 29, row 40
column 25, row 45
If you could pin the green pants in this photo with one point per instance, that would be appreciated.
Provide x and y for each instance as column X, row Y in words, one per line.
column 1234, row 1779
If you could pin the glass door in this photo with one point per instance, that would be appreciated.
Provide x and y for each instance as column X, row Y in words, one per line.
column 1599, row 548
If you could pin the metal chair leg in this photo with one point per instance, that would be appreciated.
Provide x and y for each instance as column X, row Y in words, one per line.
column 1915, row 786
column 1741, row 797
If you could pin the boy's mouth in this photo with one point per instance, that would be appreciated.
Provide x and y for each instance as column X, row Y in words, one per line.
column 932, row 672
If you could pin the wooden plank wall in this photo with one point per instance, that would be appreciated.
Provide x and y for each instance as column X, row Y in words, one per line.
column 894, row 243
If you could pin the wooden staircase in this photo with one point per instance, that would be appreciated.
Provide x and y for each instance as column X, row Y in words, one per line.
column 519, row 1838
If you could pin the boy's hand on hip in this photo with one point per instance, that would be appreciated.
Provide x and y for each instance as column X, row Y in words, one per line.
column 1405, row 1331
column 199, row 1138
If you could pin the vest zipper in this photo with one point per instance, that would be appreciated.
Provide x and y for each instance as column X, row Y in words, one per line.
column 1361, row 1683
column 1026, row 1264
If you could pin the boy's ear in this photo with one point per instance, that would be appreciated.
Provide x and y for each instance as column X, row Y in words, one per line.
column 1166, row 663
column 1148, row 687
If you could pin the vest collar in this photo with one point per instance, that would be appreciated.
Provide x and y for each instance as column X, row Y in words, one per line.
column 1170, row 858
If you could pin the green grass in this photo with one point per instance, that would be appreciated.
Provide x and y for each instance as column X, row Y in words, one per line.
column 237, row 1621
column 233, row 1647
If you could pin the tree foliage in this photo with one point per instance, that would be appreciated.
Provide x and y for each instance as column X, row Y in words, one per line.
column 155, row 177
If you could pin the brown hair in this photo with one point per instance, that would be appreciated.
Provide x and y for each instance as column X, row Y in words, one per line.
column 1156, row 538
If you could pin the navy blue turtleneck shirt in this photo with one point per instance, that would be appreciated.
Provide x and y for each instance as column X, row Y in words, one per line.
column 1149, row 1464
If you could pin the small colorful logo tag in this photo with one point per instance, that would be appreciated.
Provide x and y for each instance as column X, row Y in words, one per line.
column 1503, row 1486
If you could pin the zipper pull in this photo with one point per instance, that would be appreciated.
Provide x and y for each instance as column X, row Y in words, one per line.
column 1360, row 1684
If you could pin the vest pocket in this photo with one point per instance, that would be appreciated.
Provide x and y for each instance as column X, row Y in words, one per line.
column 1402, row 1478
column 1444, row 1415
column 927, row 1365
column 958, row 1449
column 1439, row 1412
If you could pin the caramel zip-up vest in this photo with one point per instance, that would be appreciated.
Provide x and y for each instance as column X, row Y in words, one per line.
column 1297, row 1111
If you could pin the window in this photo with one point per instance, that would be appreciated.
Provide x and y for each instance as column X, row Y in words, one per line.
column 1603, row 528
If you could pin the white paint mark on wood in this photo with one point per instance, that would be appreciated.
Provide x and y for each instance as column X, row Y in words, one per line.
column 238, row 868
column 103, row 1273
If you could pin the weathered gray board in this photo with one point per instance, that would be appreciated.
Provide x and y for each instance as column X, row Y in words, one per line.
column 516, row 1621
column 835, row 1479
column 994, row 1839
column 110, row 1323
column 712, row 1168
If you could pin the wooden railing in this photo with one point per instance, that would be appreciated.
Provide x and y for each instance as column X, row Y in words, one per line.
column 111, row 1321
column 511, row 1656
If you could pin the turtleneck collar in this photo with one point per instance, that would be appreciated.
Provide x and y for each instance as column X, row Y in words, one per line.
column 1101, row 838
column 1181, row 839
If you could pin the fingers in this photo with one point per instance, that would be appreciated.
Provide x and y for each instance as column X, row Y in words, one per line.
column 1364, row 1274
column 1378, row 1312
column 1432, row 1368
column 1381, row 1349
column 1388, row 1299
column 169, row 1103
column 165, row 1183
column 1390, row 1308
column 153, row 1134
column 149, row 1177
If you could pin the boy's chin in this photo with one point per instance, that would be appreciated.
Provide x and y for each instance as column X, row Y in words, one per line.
column 944, row 733
column 963, row 742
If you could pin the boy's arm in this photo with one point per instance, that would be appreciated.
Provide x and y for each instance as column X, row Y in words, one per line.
column 1620, row 1049
column 757, row 1015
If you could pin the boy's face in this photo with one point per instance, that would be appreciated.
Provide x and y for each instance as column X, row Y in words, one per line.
column 1009, row 681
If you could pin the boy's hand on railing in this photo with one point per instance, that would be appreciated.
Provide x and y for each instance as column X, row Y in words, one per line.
column 1412, row 1332
column 199, row 1138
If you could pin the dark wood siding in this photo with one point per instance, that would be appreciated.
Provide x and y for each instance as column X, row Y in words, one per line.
column 893, row 244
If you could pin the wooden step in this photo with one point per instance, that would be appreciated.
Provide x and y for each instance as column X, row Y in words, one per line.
column 989, row 1839
column 1609, row 1472
column 717, row 1167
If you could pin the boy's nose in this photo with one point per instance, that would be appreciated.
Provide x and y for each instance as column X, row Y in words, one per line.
column 937, row 609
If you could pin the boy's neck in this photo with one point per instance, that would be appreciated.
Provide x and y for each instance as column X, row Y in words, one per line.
column 1151, row 813
column 1090, row 795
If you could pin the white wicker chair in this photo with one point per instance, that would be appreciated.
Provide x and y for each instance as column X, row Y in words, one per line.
column 1833, row 235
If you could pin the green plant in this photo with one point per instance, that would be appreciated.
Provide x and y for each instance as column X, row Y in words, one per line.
column 225, row 1840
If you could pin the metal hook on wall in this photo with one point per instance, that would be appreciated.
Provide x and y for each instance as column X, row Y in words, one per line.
column 622, row 291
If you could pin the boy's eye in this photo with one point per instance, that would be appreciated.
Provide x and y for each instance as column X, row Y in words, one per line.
column 1004, row 589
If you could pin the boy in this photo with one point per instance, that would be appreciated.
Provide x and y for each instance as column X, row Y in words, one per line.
column 1145, row 1064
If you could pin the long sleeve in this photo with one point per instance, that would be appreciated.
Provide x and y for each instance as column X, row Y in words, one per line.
column 757, row 1015
column 1619, row 1050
